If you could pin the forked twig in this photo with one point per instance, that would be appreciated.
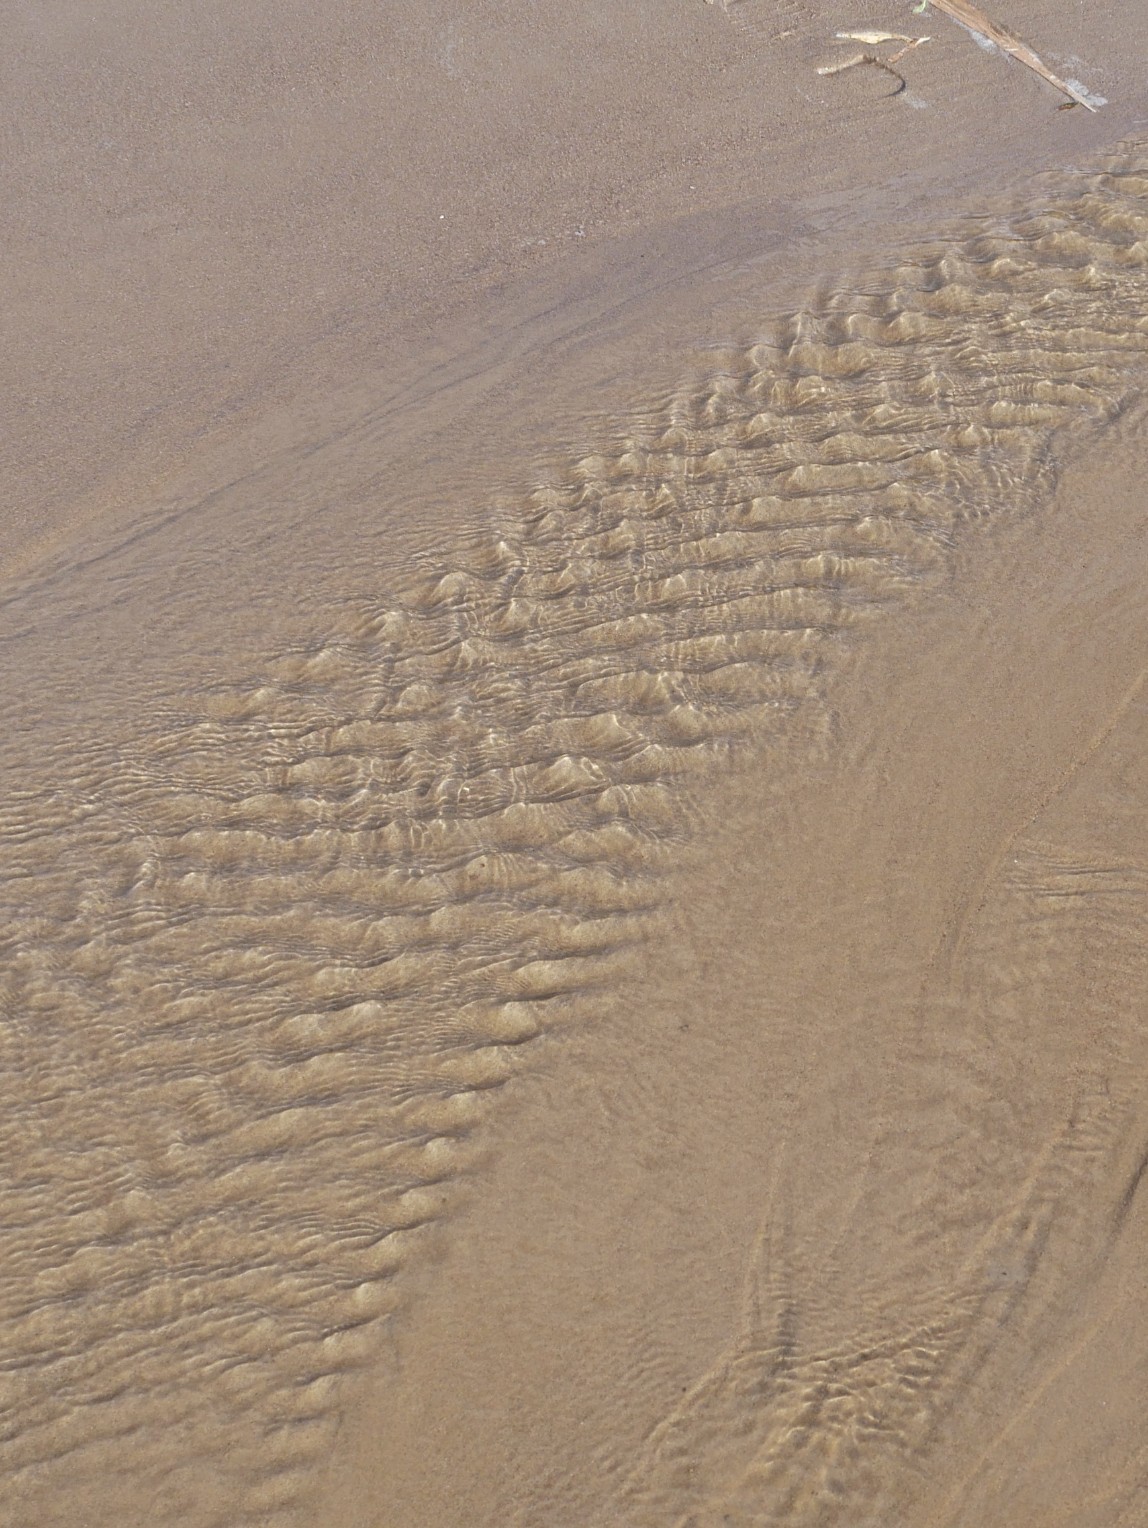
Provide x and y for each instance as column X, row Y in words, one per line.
column 873, row 58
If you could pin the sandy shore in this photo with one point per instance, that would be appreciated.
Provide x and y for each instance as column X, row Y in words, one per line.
column 575, row 845
column 207, row 213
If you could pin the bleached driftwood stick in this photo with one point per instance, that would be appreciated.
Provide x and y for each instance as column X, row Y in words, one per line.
column 975, row 19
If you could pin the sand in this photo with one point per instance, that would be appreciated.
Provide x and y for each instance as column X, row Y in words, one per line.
column 573, row 633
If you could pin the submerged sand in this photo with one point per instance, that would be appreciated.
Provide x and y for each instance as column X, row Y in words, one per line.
column 575, row 845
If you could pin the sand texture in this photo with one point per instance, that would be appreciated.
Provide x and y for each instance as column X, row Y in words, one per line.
column 575, row 826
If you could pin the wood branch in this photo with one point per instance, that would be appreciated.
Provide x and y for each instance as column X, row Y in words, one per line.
column 975, row 20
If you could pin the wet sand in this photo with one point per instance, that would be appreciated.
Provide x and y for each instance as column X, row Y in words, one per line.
column 575, row 848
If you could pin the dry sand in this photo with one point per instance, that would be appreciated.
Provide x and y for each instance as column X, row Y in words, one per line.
column 575, row 848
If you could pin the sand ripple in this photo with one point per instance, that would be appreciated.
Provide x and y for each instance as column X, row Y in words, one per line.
column 270, row 957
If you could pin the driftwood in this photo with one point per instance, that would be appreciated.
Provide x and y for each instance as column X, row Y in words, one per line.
column 976, row 21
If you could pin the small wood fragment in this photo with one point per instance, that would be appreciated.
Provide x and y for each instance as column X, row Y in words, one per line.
column 873, row 38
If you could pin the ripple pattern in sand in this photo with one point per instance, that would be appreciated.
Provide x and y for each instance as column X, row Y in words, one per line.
column 270, row 956
column 908, row 1410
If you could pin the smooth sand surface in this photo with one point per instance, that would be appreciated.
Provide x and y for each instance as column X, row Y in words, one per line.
column 575, row 833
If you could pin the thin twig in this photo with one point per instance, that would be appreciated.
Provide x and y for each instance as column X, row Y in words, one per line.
column 867, row 58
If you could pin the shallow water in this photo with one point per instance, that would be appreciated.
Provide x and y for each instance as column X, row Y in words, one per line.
column 626, row 1009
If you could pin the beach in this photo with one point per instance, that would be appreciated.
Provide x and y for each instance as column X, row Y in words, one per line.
column 575, row 842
